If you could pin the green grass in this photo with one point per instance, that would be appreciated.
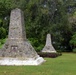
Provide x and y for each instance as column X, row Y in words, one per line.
column 62, row 65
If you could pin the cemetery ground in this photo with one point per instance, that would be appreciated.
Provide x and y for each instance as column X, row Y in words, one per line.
column 62, row 65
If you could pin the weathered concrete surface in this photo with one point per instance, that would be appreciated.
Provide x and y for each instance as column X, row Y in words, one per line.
column 17, row 45
column 48, row 46
column 20, row 61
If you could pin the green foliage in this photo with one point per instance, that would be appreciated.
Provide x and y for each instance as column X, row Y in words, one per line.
column 74, row 50
column 2, row 33
column 73, row 40
column 2, row 41
column 36, row 44
column 39, row 48
column 34, row 41
column 42, row 17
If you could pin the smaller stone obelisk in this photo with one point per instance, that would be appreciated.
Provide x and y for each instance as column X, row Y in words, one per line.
column 48, row 47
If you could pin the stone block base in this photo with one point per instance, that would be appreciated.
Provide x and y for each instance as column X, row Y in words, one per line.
column 18, row 62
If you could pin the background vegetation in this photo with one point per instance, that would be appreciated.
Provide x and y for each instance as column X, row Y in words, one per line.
column 57, row 17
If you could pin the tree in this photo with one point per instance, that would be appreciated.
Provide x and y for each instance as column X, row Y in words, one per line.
column 73, row 40
column 42, row 17
column 2, row 33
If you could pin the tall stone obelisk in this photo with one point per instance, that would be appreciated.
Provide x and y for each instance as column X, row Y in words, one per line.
column 17, row 50
column 48, row 46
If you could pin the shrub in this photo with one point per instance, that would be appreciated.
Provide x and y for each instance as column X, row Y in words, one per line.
column 50, row 55
column 36, row 44
column 2, row 41
column 2, row 33
column 59, row 51
column 74, row 50
column 38, row 49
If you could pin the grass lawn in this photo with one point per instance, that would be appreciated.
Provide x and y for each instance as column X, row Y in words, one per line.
column 62, row 65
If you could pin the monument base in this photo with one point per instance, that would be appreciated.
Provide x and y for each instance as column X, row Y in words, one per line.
column 49, row 51
column 17, row 61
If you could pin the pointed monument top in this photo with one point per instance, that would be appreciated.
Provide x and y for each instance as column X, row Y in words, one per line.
column 48, row 40
column 48, row 46
column 16, row 28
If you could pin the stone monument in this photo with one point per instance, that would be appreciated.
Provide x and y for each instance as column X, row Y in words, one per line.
column 48, row 47
column 17, row 50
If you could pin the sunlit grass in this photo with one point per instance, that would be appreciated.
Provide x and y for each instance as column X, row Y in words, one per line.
column 63, row 65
